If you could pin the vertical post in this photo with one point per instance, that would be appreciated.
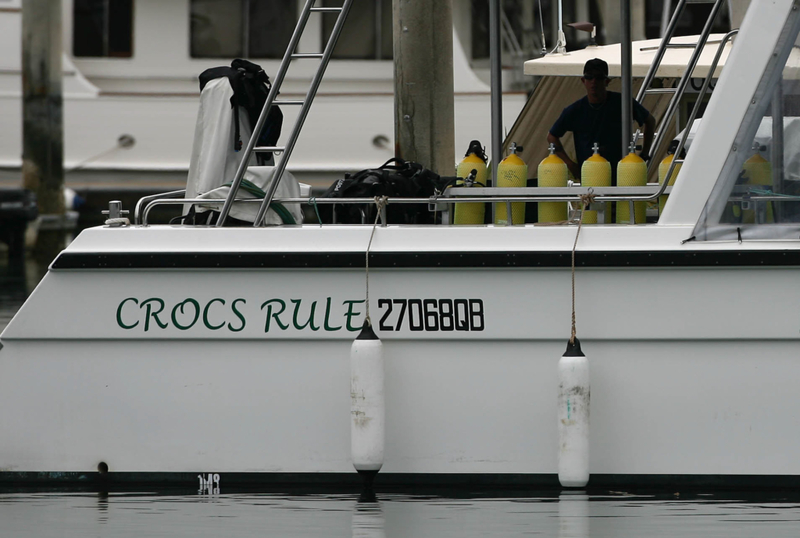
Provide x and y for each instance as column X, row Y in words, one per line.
column 625, row 44
column 42, row 123
column 776, row 147
column 582, row 10
column 529, row 27
column 423, row 83
column 666, row 10
column 496, row 72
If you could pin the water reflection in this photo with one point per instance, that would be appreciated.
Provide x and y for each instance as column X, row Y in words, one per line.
column 368, row 520
column 612, row 514
column 102, row 507
column 573, row 514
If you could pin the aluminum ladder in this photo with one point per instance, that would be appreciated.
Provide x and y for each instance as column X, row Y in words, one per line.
column 305, row 105
column 680, row 89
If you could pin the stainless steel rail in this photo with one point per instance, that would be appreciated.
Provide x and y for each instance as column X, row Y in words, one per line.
column 458, row 195
column 301, row 117
column 696, row 108
column 651, row 73
column 146, row 199
column 684, row 82
column 288, row 56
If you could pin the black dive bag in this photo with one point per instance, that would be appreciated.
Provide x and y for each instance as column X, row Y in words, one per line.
column 251, row 87
column 395, row 178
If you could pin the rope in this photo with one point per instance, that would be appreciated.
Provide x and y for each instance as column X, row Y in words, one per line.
column 119, row 221
column 586, row 199
column 313, row 202
column 380, row 203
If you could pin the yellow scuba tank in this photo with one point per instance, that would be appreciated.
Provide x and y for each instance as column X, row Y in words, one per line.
column 631, row 172
column 552, row 172
column 511, row 172
column 758, row 173
column 596, row 172
column 663, row 168
column 474, row 159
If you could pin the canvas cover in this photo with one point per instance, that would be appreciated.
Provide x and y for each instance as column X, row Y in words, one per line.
column 214, row 161
column 260, row 177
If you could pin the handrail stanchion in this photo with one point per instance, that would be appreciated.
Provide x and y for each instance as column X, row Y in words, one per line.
column 687, row 75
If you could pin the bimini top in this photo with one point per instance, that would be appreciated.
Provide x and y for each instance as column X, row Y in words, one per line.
column 642, row 54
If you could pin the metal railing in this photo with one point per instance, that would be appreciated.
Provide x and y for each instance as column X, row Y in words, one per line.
column 454, row 195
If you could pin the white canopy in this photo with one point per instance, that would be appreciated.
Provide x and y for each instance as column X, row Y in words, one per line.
column 642, row 53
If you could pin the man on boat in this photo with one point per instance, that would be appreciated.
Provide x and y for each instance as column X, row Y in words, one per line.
column 596, row 118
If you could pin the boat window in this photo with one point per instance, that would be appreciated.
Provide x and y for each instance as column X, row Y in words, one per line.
column 244, row 28
column 102, row 28
column 758, row 193
column 367, row 33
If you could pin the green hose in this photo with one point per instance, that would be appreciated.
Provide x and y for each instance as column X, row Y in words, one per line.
column 278, row 207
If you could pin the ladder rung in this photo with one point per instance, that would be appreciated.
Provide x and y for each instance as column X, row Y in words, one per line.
column 307, row 55
column 276, row 149
column 661, row 90
column 300, row 102
column 678, row 161
column 681, row 45
column 327, row 9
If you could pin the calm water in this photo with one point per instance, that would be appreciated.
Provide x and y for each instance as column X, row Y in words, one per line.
column 617, row 515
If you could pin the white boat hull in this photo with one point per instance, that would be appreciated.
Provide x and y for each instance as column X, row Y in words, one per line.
column 693, row 375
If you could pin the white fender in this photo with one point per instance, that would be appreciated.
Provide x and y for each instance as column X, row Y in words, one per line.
column 573, row 417
column 367, row 405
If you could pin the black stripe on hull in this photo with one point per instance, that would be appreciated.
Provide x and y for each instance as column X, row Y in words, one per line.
column 472, row 483
column 425, row 260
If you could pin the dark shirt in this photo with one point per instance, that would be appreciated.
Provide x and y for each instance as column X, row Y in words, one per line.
column 602, row 124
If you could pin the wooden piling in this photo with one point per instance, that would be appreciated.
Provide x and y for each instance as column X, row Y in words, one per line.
column 42, row 115
column 423, row 83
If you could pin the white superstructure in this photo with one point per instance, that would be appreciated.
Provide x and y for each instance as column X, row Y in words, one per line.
column 151, row 94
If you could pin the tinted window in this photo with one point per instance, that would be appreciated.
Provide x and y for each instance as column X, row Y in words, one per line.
column 102, row 28
column 367, row 33
column 248, row 28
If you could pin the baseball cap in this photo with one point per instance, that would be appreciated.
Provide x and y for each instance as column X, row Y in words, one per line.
column 596, row 66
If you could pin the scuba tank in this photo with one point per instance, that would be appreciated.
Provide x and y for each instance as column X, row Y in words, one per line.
column 631, row 172
column 552, row 172
column 663, row 167
column 595, row 172
column 511, row 172
column 474, row 171
column 758, row 173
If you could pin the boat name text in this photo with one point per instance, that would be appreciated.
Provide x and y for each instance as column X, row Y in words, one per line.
column 431, row 314
column 277, row 314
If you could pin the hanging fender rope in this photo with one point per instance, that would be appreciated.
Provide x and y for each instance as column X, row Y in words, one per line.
column 586, row 200
column 380, row 203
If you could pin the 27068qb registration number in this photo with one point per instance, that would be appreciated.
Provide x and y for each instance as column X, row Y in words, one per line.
column 431, row 314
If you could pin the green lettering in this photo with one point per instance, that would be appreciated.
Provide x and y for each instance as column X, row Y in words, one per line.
column 181, row 307
column 310, row 316
column 152, row 314
column 327, row 318
column 238, row 315
column 205, row 315
column 119, row 313
column 275, row 315
column 350, row 314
